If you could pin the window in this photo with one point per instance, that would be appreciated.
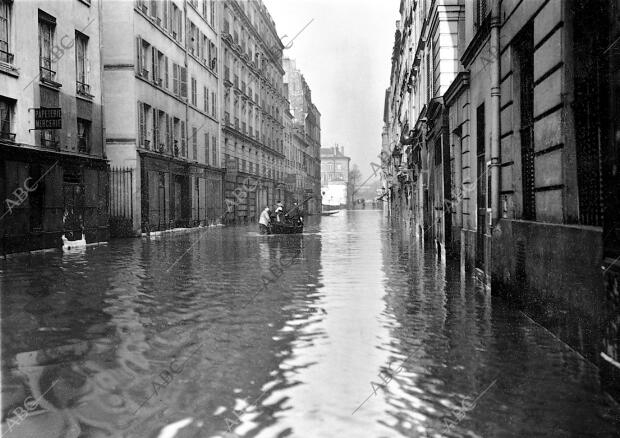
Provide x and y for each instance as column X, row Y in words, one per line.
column 49, row 98
column 155, row 144
column 183, row 138
column 83, row 134
column 524, row 49
column 5, row 31
column 175, row 79
column 7, row 106
column 195, row 143
column 480, row 11
column 143, row 50
column 213, row 111
column 207, row 155
column 176, row 136
column 177, row 23
column 161, row 131
column 214, row 151
column 212, row 13
column 47, row 30
column 205, row 97
column 194, row 92
column 142, row 125
column 81, row 61
column 183, row 81
column 154, row 8
column 165, row 14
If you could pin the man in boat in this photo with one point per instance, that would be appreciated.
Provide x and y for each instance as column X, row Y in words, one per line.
column 264, row 221
column 279, row 211
column 296, row 214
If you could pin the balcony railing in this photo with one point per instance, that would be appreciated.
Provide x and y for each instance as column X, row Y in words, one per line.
column 47, row 74
column 7, row 136
column 82, row 88
column 49, row 143
column 83, row 144
column 6, row 57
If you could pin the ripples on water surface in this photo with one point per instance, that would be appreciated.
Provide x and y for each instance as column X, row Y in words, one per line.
column 126, row 338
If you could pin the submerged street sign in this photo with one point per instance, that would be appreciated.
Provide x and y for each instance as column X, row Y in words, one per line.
column 47, row 118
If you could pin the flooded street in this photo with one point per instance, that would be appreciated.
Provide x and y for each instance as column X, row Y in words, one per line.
column 349, row 330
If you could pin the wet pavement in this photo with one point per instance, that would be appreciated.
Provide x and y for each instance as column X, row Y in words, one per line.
column 350, row 330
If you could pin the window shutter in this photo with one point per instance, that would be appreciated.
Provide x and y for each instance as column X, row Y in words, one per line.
column 183, row 150
column 175, row 79
column 188, row 41
column 154, row 63
column 139, row 55
column 207, row 156
column 166, row 70
column 214, row 150
column 183, row 82
column 141, row 127
column 155, row 130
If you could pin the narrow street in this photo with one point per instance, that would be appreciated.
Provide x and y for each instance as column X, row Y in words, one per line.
column 277, row 336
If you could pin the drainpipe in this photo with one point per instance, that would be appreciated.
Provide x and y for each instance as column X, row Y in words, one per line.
column 495, row 111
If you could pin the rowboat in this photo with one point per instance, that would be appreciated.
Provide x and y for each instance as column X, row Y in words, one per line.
column 284, row 228
column 329, row 213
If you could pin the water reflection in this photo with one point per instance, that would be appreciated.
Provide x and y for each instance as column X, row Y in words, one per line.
column 267, row 336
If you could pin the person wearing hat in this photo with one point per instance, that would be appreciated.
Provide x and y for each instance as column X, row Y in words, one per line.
column 279, row 211
column 264, row 221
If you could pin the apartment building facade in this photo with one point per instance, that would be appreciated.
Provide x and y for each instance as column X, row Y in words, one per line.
column 253, row 108
column 53, row 169
column 163, row 135
column 513, row 154
column 306, row 136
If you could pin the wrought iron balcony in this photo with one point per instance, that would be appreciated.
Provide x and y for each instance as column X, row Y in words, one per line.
column 50, row 143
column 47, row 74
column 83, row 89
column 83, row 144
column 7, row 136
column 6, row 57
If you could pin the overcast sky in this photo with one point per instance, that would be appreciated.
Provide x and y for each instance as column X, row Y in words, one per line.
column 345, row 56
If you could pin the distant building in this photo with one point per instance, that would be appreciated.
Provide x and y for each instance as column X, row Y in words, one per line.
column 334, row 176
column 53, row 168
column 305, row 138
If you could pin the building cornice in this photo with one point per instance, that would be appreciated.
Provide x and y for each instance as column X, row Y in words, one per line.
column 456, row 88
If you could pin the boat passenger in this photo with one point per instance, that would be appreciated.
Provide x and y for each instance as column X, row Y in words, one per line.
column 264, row 222
column 296, row 214
column 279, row 211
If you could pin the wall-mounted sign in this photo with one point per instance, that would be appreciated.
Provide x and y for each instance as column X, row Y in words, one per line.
column 47, row 118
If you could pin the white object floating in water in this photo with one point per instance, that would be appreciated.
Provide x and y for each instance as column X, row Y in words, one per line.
column 171, row 430
column 68, row 245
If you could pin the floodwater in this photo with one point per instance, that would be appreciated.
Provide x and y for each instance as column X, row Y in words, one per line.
column 350, row 330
